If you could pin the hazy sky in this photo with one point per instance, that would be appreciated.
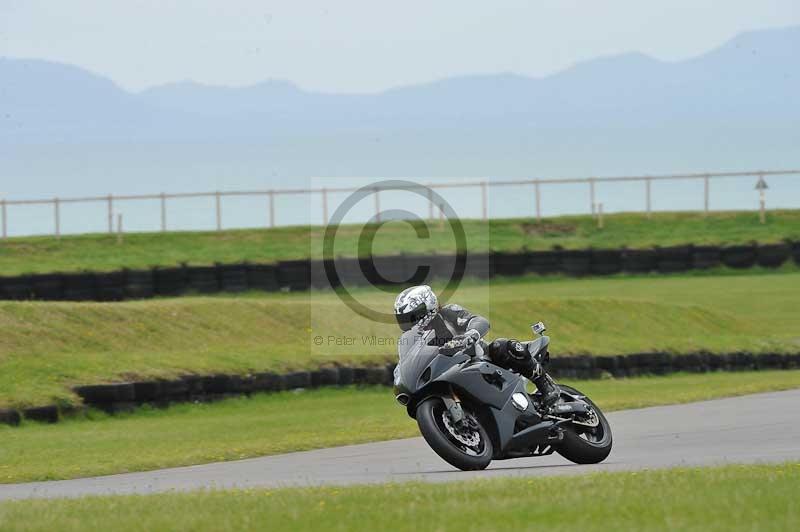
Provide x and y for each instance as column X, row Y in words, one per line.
column 360, row 45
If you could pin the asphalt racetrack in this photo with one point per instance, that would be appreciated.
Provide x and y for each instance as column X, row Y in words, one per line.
column 748, row 429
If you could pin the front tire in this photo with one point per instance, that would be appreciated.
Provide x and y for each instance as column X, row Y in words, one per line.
column 584, row 445
column 468, row 449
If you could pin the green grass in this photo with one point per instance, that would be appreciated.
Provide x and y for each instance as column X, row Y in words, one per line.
column 46, row 348
column 100, row 252
column 187, row 434
column 737, row 497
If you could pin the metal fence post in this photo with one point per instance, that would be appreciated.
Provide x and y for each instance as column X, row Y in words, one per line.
column 110, row 213
column 57, row 216
column 484, row 201
column 109, row 199
column 272, row 208
column 761, row 186
column 119, row 228
column 163, row 212
column 5, row 218
column 218, row 204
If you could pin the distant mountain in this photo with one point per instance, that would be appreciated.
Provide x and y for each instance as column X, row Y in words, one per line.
column 754, row 76
column 739, row 98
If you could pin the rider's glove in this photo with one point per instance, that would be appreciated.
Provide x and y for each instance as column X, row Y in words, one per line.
column 463, row 341
column 472, row 336
column 458, row 342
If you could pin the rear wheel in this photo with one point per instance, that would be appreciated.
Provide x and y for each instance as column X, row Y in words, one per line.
column 589, row 441
column 467, row 447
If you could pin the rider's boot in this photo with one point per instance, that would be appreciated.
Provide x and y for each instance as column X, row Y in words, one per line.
column 548, row 389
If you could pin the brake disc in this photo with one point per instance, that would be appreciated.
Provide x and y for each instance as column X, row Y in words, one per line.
column 470, row 438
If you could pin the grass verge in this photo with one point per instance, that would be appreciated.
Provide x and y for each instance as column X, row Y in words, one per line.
column 101, row 252
column 46, row 348
column 761, row 497
column 188, row 434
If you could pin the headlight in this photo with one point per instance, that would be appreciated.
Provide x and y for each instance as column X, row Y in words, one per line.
column 520, row 401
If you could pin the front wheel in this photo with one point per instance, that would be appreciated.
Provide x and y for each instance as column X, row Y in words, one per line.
column 588, row 442
column 467, row 447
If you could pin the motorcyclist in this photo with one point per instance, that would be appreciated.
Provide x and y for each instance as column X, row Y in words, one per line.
column 418, row 307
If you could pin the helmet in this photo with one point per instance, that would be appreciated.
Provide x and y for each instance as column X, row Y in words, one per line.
column 415, row 304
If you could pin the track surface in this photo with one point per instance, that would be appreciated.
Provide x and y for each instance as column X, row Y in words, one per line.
column 755, row 428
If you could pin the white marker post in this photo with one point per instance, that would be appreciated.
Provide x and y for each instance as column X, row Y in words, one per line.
column 119, row 228
column 761, row 186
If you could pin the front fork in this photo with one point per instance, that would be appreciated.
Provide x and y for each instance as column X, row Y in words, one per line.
column 454, row 410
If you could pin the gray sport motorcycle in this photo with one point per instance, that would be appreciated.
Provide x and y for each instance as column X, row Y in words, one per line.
column 471, row 411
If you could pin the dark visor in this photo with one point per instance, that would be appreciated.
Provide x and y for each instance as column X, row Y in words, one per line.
column 407, row 320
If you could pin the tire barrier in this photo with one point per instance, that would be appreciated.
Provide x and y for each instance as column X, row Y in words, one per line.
column 577, row 262
column 441, row 266
column 318, row 275
column 294, row 275
column 544, row 262
column 107, row 393
column 739, row 256
column 16, row 288
column 674, row 259
column 121, row 397
column 705, row 257
column 508, row 264
column 80, row 287
column 387, row 270
column 369, row 274
column 110, row 286
column 139, row 284
column 773, row 255
column 324, row 377
column 639, row 260
column 348, row 271
column 299, row 275
column 232, row 277
column 477, row 265
column 48, row 287
column 10, row 417
column 606, row 261
column 203, row 280
column 44, row 414
column 262, row 277
column 169, row 281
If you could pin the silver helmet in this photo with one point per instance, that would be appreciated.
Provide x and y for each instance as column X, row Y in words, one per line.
column 415, row 304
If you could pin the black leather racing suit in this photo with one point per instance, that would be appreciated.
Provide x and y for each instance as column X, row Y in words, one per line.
column 454, row 321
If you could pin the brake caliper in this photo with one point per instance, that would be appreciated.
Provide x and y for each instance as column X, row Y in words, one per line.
column 454, row 410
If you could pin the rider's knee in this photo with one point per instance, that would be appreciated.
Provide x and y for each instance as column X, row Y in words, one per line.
column 512, row 354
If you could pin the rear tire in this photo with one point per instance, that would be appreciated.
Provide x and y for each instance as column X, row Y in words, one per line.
column 432, row 426
column 577, row 448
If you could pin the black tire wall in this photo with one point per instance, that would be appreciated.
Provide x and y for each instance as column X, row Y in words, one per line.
column 400, row 270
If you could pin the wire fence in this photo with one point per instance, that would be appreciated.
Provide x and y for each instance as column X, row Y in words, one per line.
column 113, row 219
